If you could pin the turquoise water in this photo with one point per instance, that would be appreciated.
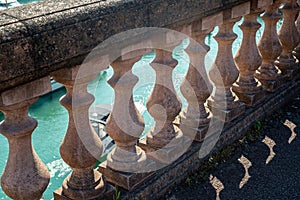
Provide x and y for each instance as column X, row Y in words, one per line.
column 53, row 118
column 27, row 1
column 20, row 2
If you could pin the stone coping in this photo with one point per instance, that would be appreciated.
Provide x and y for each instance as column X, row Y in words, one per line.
column 39, row 38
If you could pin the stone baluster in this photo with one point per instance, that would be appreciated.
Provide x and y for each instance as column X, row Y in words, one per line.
column 223, row 72
column 126, row 156
column 125, row 125
column 196, row 88
column 164, row 105
column 297, row 49
column 248, row 59
column 81, row 147
column 289, row 38
column 25, row 175
column 270, row 48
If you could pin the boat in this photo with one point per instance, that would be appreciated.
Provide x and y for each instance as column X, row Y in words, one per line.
column 8, row 3
column 98, row 115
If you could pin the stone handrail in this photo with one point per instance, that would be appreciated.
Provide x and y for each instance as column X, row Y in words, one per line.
column 38, row 34
column 54, row 38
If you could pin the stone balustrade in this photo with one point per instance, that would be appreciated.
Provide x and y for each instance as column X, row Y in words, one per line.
column 54, row 38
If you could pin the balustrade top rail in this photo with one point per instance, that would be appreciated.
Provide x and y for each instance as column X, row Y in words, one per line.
column 39, row 38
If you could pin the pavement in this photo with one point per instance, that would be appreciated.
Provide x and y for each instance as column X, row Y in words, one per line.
column 267, row 168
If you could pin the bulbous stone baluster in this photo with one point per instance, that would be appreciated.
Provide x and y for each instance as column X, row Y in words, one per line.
column 125, row 125
column 25, row 175
column 223, row 72
column 289, row 38
column 248, row 59
column 297, row 49
column 196, row 88
column 270, row 48
column 164, row 105
column 81, row 148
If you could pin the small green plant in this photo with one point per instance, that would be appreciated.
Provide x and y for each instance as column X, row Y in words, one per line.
column 255, row 132
column 117, row 193
column 213, row 162
column 141, row 197
column 257, row 125
column 189, row 181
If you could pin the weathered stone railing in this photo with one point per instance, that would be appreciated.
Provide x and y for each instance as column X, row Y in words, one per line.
column 53, row 38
